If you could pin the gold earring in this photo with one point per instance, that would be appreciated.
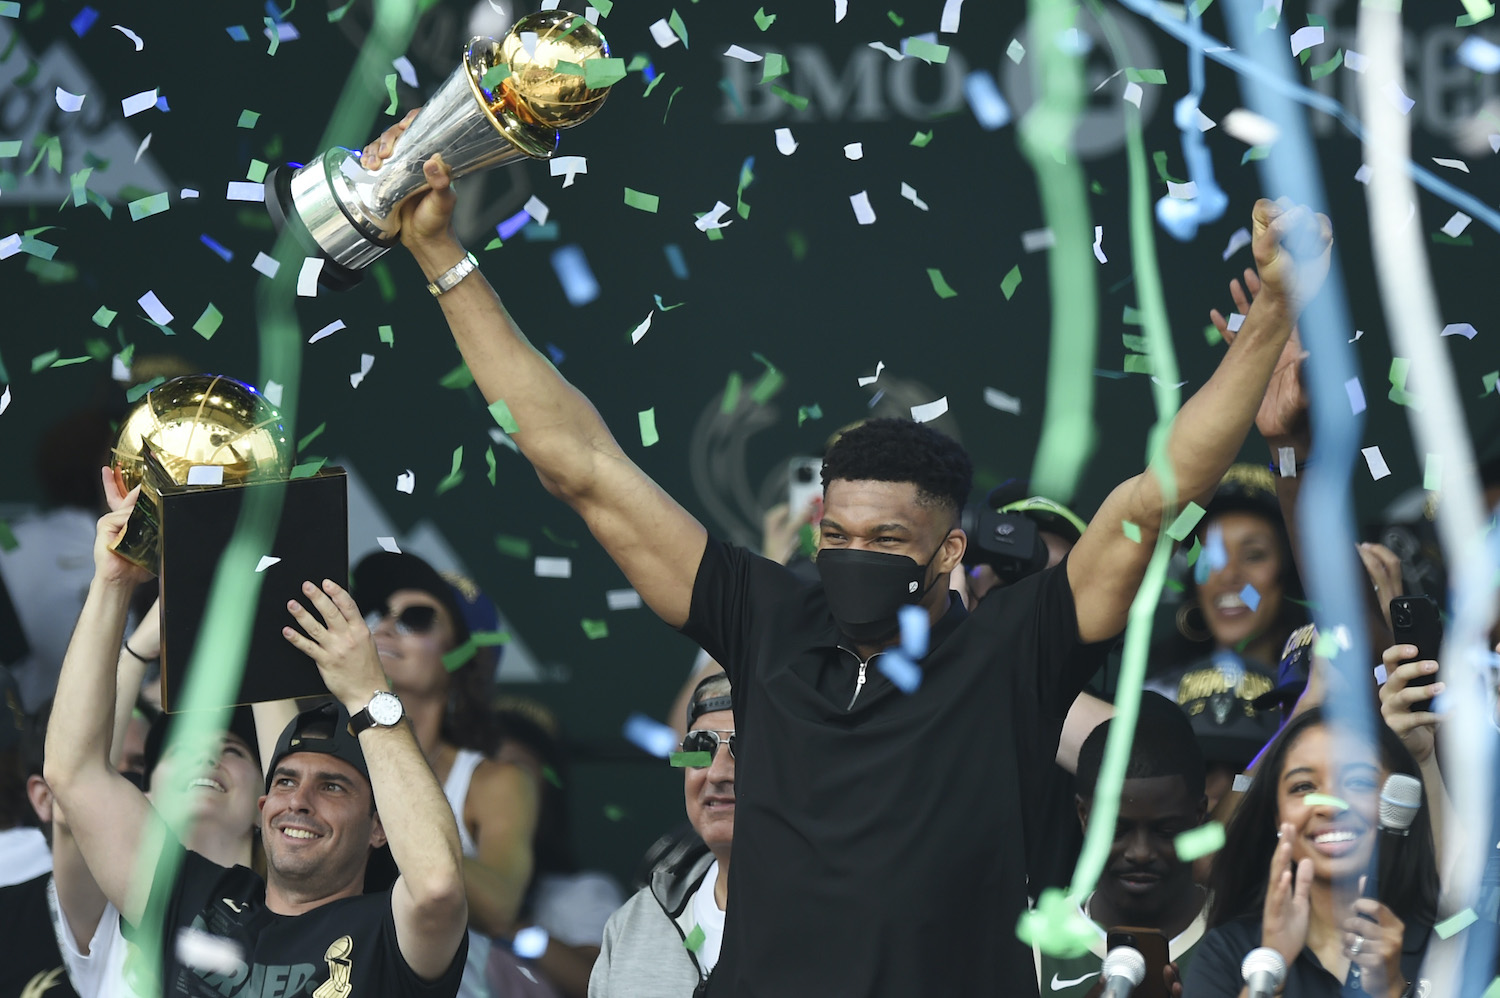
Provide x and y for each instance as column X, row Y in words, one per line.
column 1185, row 626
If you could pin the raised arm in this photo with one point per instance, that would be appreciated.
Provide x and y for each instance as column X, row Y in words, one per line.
column 428, row 899
column 117, row 831
column 656, row 542
column 1106, row 566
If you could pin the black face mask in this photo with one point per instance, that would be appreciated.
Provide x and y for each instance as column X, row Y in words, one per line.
column 865, row 589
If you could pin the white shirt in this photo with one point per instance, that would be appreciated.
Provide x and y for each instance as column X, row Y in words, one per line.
column 100, row 973
column 710, row 919
column 24, row 855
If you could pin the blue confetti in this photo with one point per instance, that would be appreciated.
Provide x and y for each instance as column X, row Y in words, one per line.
column 512, row 225
column 1356, row 395
column 1479, row 54
column 1215, row 554
column 555, row 352
column 161, row 103
column 900, row 670
column 224, row 253
column 985, row 100
column 541, row 233
column 1251, row 597
column 915, row 624
column 276, row 15
column 651, row 737
column 84, row 20
column 676, row 261
column 295, row 166
column 649, row 72
column 574, row 274
column 875, row 399
column 238, row 32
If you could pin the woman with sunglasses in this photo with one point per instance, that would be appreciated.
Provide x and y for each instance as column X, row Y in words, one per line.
column 1310, row 819
column 421, row 625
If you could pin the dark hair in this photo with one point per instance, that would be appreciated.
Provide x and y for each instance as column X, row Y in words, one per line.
column 22, row 763
column 899, row 450
column 1241, row 868
column 468, row 721
column 1164, row 745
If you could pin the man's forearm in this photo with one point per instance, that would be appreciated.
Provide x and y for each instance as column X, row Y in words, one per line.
column 557, row 428
column 79, row 734
column 418, row 822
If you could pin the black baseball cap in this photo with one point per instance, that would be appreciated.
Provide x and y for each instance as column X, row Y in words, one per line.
column 325, row 729
column 1294, row 669
column 241, row 724
column 384, row 572
column 1222, row 707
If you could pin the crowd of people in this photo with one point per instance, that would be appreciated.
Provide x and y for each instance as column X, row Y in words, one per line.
column 926, row 743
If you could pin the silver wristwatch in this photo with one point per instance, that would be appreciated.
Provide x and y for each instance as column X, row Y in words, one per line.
column 450, row 277
column 383, row 711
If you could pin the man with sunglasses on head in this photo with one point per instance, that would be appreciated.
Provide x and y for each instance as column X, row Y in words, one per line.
column 665, row 941
column 885, row 836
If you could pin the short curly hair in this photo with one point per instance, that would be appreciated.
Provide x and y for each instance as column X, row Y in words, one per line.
column 900, row 450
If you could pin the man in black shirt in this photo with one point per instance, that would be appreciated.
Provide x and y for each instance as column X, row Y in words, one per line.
column 882, row 837
column 308, row 929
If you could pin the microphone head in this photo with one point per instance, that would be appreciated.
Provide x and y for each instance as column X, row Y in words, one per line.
column 1126, row 962
column 1264, row 960
column 1400, row 800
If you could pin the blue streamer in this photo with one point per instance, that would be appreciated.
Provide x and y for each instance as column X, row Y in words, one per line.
column 1180, row 218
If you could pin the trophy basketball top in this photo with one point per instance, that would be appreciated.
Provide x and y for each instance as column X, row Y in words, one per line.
column 203, row 419
column 544, row 54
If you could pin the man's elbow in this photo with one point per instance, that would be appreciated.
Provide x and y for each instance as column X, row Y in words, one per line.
column 440, row 897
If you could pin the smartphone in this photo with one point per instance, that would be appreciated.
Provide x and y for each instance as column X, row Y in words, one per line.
column 804, row 480
column 1416, row 621
column 1152, row 945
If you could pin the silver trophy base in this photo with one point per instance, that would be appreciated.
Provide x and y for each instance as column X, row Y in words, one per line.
column 308, row 202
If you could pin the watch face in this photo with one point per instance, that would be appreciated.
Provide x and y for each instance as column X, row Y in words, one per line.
column 385, row 709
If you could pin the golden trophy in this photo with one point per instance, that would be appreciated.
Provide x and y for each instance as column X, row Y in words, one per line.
column 504, row 103
column 197, row 446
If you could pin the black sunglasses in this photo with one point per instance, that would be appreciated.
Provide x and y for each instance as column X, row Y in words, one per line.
column 705, row 740
column 415, row 619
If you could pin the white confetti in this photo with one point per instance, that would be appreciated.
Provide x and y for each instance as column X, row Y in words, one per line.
column 1397, row 97
column 1357, row 334
column 273, row 393
column 136, row 103
column 1356, row 394
column 530, row 943
column 591, row 15
column 714, row 219
column 1099, row 244
column 69, row 101
column 366, row 361
column 1182, row 192
column 406, row 482
column 1133, row 93
column 929, row 410
column 1495, row 143
column 1452, row 164
column 131, row 35
column 663, row 33
column 154, row 308
column 1464, row 329
column 1286, row 457
column 1238, row 240
column 327, row 331
column 996, row 399
column 187, row 192
column 785, row 144
column 1479, row 54
column 405, row 70
column 1363, row 173
column 1354, row 62
column 1455, row 226
column 206, row 474
column 951, row 11
column 210, row 953
column 1015, row 51
column 244, row 190
column 10, row 246
column 569, row 167
column 265, row 265
column 266, row 561
column 388, row 544
column 622, row 599
column 1235, row 322
column 4, row 400
column 307, row 280
column 863, row 213
column 854, row 150
column 879, row 366
column 145, row 144
column 536, row 209
column 1378, row 468
column 552, row 568
column 742, row 54
column 640, row 330
column 910, row 193
column 1251, row 128
column 882, row 47
column 1204, row 121
column 840, row 8
column 1305, row 38
column 1037, row 239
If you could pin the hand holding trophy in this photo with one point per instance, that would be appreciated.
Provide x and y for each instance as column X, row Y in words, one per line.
column 505, row 102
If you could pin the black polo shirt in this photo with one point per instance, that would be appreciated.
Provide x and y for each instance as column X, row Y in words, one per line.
column 1215, row 972
column 882, row 847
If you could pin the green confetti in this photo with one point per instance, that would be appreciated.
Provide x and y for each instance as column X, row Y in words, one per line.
column 42, row 361
column 731, row 400
column 595, row 629
column 1011, row 281
column 1096, row 187
column 921, row 139
column 104, row 316
column 605, row 7
column 1450, row 927
column 338, row 13
column 1322, row 69
column 459, row 377
column 69, row 361
column 1490, row 380
column 1469, row 20
column 1200, row 841
column 1325, row 800
column 896, row 18
column 1194, row 552
column 768, row 384
column 806, row 412
column 670, row 99
column 1184, row 524
column 1135, row 343
column 675, row 23
column 694, row 939
column 550, row 775
column 652, row 85
column 148, row 206
column 601, row 72
column 638, row 62
column 939, row 284
column 489, row 463
column 390, row 90
column 1160, row 159
column 387, row 336
column 98, row 349
column 1479, row 10
column 302, row 444
column 1212, row 335
column 614, row 812
column 1132, row 531
column 775, row 65
column 648, row 426
column 494, row 243
column 513, row 547
column 764, row 20
column 558, row 539
column 134, row 392
column 275, row 36
column 257, row 171
column 307, row 469
column 920, row 48
column 501, row 412
column 11, row 149
column 248, row 119
column 455, row 474
column 798, row 102
column 642, row 200
column 1255, row 152
column 8, row 540
column 79, row 184
column 494, row 76
column 1131, row 316
column 1146, row 75
column 1199, row 6
column 208, row 324
column 746, row 178
column 1137, row 363
column 1493, row 991
column 1432, row 476
column 667, row 308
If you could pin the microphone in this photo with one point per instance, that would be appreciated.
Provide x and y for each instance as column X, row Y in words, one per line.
column 1124, row 968
column 1264, row 971
column 1400, row 800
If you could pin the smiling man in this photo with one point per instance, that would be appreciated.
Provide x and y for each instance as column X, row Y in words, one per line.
column 884, row 838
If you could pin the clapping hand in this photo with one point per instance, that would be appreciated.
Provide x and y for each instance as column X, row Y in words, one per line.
column 1284, row 920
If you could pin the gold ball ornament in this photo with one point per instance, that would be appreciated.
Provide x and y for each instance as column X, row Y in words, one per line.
column 535, row 87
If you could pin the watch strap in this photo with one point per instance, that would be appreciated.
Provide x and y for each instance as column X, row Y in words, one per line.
column 447, row 280
column 364, row 720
